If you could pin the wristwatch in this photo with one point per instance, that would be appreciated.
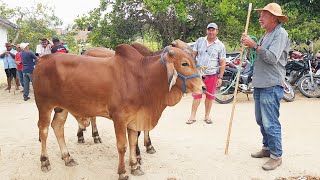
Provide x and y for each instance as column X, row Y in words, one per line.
column 255, row 47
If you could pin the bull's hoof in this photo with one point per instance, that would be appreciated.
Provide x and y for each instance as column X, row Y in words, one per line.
column 151, row 150
column 137, row 171
column 139, row 160
column 45, row 166
column 97, row 140
column 123, row 177
column 81, row 140
column 71, row 163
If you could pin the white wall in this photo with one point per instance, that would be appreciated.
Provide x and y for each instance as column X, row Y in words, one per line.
column 3, row 37
column 3, row 40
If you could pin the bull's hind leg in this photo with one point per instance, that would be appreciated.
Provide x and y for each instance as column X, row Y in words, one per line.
column 57, row 124
column 147, row 143
column 43, row 125
column 133, row 141
column 95, row 133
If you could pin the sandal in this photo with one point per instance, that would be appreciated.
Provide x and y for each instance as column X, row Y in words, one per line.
column 190, row 121
column 208, row 121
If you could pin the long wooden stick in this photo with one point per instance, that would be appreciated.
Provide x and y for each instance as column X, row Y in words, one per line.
column 237, row 83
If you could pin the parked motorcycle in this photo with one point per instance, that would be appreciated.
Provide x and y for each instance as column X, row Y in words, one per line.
column 225, row 93
column 309, row 84
column 304, row 73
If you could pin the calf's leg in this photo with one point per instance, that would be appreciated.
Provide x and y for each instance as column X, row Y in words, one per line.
column 57, row 124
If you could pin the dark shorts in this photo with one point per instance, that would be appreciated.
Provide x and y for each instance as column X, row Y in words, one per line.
column 11, row 72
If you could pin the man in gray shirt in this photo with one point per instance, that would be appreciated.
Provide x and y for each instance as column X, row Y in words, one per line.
column 268, row 80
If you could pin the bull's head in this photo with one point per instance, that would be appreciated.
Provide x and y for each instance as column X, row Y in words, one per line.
column 182, row 70
column 184, row 46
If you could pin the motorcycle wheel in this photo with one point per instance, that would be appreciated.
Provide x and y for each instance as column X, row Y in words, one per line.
column 289, row 94
column 224, row 96
column 307, row 88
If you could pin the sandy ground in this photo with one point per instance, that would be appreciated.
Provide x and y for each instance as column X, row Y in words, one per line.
column 184, row 152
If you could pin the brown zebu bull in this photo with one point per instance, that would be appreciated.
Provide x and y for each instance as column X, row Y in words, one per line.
column 105, row 52
column 134, row 93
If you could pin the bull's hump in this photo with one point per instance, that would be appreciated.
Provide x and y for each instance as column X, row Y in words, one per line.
column 126, row 51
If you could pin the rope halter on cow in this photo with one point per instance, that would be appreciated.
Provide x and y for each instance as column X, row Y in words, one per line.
column 184, row 78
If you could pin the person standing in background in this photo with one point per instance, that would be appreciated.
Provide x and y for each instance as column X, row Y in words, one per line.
column 19, row 65
column 57, row 47
column 44, row 47
column 29, row 60
column 210, row 53
column 10, row 67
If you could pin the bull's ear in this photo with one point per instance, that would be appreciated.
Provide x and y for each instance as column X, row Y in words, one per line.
column 172, row 75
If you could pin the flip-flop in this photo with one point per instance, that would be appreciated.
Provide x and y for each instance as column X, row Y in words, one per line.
column 208, row 121
column 190, row 121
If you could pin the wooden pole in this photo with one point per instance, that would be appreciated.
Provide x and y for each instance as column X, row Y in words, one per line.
column 237, row 84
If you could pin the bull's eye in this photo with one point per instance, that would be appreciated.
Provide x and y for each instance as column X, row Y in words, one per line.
column 185, row 64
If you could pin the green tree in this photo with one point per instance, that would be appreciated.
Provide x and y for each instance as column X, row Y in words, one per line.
column 186, row 20
column 34, row 23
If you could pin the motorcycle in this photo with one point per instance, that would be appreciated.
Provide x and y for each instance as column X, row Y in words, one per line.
column 304, row 73
column 225, row 93
column 297, row 65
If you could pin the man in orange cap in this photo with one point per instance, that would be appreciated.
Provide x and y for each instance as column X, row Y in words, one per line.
column 268, row 80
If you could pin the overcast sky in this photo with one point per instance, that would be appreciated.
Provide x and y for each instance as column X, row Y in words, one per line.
column 67, row 10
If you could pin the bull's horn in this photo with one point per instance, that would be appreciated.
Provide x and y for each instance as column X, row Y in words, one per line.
column 174, row 43
column 171, row 52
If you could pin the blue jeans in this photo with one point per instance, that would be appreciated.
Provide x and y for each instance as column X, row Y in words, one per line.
column 20, row 77
column 267, row 105
column 27, row 78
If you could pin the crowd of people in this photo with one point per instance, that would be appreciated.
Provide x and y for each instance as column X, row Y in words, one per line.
column 19, row 61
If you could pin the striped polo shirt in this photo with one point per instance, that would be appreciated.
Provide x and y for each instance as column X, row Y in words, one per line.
column 209, row 55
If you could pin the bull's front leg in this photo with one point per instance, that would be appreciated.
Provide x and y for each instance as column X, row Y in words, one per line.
column 147, row 143
column 57, row 124
column 133, row 141
column 121, row 135
column 95, row 133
